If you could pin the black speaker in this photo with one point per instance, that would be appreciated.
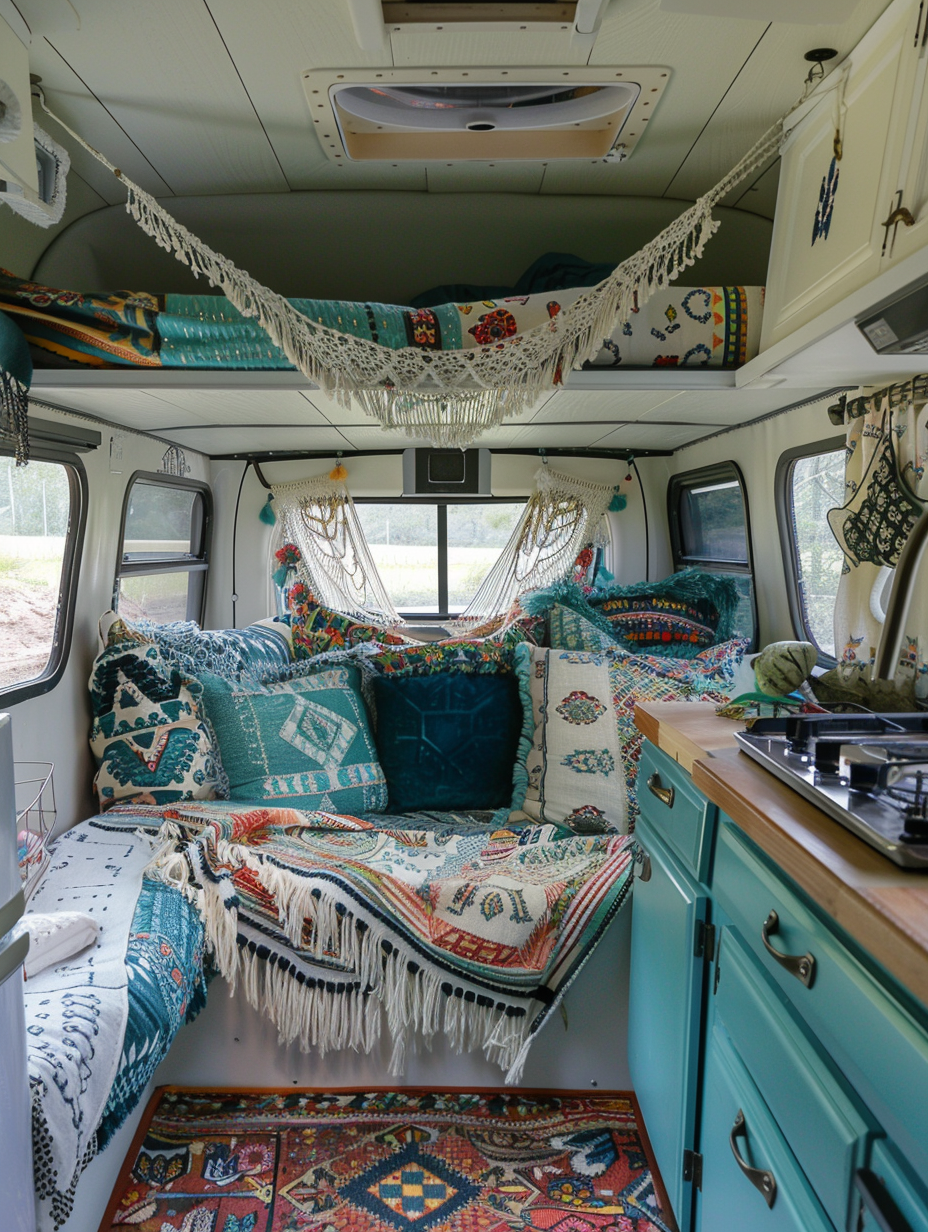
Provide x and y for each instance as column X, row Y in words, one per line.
column 446, row 472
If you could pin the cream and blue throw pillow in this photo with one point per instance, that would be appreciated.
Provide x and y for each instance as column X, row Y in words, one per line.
column 575, row 773
column 304, row 743
column 148, row 736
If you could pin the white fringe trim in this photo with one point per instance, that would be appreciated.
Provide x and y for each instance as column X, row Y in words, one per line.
column 383, row 985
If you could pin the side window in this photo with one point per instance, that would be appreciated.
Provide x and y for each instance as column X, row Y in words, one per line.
column 433, row 555
column 42, row 515
column 809, row 483
column 710, row 530
column 164, row 549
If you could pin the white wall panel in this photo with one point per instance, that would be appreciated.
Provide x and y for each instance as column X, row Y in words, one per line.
column 55, row 725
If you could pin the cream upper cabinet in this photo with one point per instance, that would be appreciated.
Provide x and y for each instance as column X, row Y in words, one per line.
column 827, row 238
column 909, row 125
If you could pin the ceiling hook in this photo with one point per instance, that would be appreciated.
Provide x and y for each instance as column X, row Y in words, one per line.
column 544, row 456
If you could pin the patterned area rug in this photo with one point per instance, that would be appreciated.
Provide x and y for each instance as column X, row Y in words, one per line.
column 401, row 1161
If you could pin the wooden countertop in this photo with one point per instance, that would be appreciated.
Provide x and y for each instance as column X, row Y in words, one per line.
column 883, row 907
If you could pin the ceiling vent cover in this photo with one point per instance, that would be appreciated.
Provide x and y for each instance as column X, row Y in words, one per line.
column 448, row 115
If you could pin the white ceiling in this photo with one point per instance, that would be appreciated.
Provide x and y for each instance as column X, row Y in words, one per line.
column 204, row 96
column 225, row 420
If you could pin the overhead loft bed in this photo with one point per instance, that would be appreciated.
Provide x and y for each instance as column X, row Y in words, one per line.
column 448, row 373
column 693, row 328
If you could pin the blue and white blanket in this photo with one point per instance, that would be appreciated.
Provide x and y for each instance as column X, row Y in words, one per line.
column 76, row 1013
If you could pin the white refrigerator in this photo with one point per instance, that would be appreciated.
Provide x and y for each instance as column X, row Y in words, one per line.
column 16, row 1188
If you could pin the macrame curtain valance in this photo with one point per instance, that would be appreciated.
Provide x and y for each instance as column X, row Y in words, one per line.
column 319, row 516
column 450, row 397
column 561, row 516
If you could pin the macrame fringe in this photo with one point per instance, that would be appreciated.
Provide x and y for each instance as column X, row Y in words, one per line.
column 14, row 415
column 523, row 367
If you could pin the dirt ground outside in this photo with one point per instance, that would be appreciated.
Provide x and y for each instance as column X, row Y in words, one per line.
column 27, row 628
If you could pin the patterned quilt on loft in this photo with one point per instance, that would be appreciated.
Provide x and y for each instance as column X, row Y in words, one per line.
column 696, row 327
column 432, row 922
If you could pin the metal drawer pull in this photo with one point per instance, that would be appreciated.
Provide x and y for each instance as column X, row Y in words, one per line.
column 760, row 1178
column 802, row 966
column 664, row 794
column 879, row 1203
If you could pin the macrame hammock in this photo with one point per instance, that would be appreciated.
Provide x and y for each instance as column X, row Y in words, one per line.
column 319, row 516
column 560, row 518
column 449, row 397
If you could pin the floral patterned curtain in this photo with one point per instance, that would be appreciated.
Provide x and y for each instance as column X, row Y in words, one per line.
column 886, row 489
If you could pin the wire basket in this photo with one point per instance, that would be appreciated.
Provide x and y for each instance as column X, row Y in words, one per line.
column 36, row 811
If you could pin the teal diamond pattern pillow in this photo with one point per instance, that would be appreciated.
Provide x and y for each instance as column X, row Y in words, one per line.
column 304, row 743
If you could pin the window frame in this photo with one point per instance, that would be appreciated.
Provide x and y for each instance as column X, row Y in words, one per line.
column 789, row 548
column 442, row 502
column 190, row 563
column 679, row 483
column 78, row 489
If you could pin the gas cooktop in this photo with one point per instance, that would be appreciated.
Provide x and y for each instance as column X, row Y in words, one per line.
column 867, row 771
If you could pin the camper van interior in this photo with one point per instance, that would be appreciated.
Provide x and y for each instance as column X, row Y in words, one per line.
column 463, row 631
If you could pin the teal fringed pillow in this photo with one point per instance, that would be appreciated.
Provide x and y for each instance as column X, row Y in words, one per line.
column 568, row 629
column 448, row 740
column 679, row 616
column 304, row 743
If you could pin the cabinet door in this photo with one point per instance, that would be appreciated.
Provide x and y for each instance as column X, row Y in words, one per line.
column 811, row 271
column 664, row 1012
column 909, row 128
column 736, row 1119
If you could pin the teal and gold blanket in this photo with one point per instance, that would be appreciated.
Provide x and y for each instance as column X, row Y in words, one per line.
column 333, row 925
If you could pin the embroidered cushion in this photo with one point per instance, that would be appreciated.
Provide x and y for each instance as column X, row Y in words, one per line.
column 448, row 740
column 653, row 678
column 316, row 629
column 574, row 765
column 679, row 616
column 465, row 656
column 303, row 743
column 149, row 737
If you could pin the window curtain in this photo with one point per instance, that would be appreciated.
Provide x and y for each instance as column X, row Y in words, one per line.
column 319, row 516
column 561, row 517
column 886, row 489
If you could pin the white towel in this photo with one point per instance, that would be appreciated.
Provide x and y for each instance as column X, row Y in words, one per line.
column 55, row 937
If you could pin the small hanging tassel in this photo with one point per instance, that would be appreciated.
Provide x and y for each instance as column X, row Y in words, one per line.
column 618, row 502
column 279, row 576
column 267, row 514
column 339, row 472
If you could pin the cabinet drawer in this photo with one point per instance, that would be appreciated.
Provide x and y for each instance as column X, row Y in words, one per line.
column 827, row 1129
column 873, row 1040
column 735, row 1117
column 677, row 810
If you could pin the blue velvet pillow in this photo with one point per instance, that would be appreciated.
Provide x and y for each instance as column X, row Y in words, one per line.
column 448, row 741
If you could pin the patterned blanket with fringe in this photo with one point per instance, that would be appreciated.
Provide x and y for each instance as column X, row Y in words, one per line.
column 331, row 924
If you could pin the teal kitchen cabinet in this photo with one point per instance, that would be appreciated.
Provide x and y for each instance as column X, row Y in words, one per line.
column 670, row 933
column 782, row 1073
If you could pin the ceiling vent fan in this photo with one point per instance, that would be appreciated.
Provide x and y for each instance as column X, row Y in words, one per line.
column 375, row 20
column 487, row 115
